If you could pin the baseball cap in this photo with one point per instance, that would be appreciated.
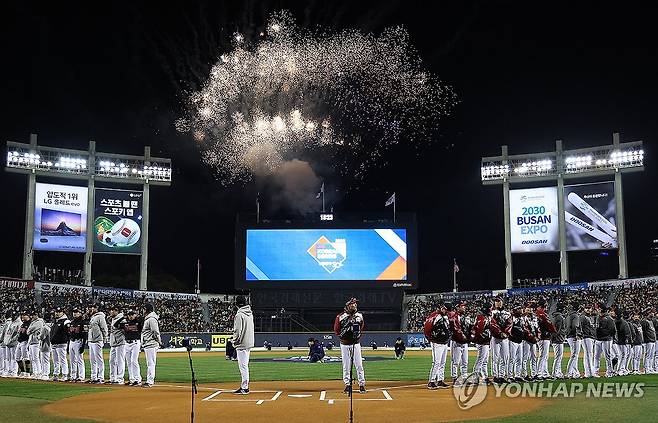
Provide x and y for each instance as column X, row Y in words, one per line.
column 352, row 300
column 58, row 310
column 75, row 310
column 131, row 311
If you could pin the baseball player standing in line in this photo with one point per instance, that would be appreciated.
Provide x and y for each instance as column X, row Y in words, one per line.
column 22, row 354
column 638, row 342
column 78, row 336
column 501, row 326
column 516, row 337
column 531, row 336
column 117, row 347
column 460, row 330
column 4, row 327
column 481, row 335
column 623, row 341
column 96, row 338
column 132, row 330
column 437, row 330
column 11, row 343
column 649, row 334
column 349, row 325
column 557, row 340
column 606, row 331
column 654, row 320
column 151, row 341
column 33, row 333
column 587, row 325
column 574, row 338
column 45, row 349
column 546, row 331
column 59, row 338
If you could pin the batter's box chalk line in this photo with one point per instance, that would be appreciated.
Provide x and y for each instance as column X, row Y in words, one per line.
column 330, row 401
column 242, row 398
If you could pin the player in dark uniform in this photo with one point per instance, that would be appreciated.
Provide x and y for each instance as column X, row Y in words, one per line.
column 22, row 356
column 132, row 328
column 78, row 337
column 348, row 325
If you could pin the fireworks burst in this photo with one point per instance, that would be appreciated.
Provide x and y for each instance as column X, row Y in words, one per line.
column 346, row 96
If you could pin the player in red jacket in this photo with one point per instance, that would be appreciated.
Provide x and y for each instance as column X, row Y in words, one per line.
column 437, row 331
column 546, row 331
column 348, row 326
column 481, row 335
column 460, row 330
column 501, row 326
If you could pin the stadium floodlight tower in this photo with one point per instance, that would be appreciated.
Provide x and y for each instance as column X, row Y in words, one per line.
column 607, row 160
column 37, row 160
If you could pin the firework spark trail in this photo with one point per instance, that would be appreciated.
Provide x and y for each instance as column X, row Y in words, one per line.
column 296, row 91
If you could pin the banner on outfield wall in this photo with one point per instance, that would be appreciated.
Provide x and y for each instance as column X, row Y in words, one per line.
column 60, row 218
column 590, row 216
column 416, row 339
column 534, row 220
column 60, row 288
column 13, row 283
column 546, row 288
column 117, row 221
column 219, row 340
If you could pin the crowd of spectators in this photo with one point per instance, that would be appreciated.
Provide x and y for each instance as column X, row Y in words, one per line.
column 177, row 312
column 222, row 313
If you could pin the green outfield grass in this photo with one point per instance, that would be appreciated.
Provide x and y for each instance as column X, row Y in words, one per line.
column 20, row 400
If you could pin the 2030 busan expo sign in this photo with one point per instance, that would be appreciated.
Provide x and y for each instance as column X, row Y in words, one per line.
column 534, row 220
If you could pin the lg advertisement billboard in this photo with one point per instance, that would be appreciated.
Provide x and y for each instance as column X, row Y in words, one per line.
column 60, row 218
column 117, row 221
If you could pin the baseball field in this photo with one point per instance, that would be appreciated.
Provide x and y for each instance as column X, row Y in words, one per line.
column 302, row 392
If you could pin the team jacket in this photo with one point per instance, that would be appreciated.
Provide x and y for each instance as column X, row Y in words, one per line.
column 636, row 331
column 481, row 332
column 546, row 327
column 151, row 331
column 532, row 332
column 623, row 332
column 59, row 333
column 44, row 339
column 574, row 330
column 11, row 334
column 97, row 328
column 78, row 329
column 344, row 327
column 560, row 333
column 117, row 337
column 22, row 332
column 4, row 327
column 34, row 331
column 648, row 331
column 587, row 326
column 132, row 329
column 501, row 324
column 437, row 328
column 456, row 328
column 606, row 328
column 518, row 330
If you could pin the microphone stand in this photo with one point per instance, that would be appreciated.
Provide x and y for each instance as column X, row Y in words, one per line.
column 194, row 390
column 351, row 382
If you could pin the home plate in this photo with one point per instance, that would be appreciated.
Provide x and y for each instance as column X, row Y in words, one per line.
column 300, row 395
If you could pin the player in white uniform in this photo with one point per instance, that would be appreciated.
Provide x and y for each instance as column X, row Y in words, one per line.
column 348, row 325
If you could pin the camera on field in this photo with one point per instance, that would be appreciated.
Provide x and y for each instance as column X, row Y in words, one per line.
column 186, row 344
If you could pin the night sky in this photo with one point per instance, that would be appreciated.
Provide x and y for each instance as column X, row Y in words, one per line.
column 117, row 73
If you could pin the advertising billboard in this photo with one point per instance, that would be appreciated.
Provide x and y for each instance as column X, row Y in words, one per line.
column 590, row 216
column 117, row 221
column 534, row 220
column 60, row 218
column 326, row 255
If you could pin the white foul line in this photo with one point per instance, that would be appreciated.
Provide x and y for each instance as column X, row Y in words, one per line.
column 322, row 395
column 386, row 394
column 211, row 396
